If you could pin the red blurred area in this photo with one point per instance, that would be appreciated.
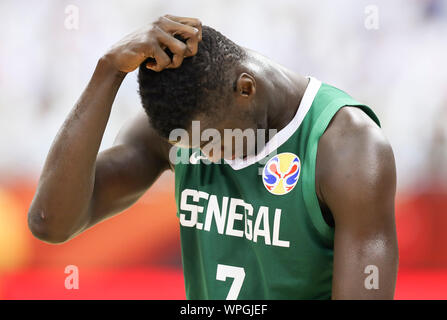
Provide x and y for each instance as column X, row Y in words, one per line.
column 421, row 222
column 166, row 283
column 136, row 255
column 136, row 284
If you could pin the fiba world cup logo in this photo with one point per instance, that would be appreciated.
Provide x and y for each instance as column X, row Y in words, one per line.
column 281, row 173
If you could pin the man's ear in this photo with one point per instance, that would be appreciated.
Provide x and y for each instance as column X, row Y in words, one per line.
column 245, row 86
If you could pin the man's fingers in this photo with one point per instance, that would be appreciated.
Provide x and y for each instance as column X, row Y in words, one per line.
column 193, row 46
column 177, row 47
column 193, row 22
column 176, row 61
column 188, row 32
column 165, row 29
column 161, row 60
column 173, row 27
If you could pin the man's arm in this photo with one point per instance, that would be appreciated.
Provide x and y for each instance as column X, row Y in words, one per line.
column 356, row 180
column 125, row 171
column 78, row 188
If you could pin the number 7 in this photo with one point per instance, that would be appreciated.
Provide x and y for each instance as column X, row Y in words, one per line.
column 224, row 271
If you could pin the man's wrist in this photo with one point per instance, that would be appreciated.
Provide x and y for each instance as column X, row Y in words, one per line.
column 105, row 65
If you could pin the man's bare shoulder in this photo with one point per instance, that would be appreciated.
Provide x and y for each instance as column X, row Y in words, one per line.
column 351, row 122
column 353, row 151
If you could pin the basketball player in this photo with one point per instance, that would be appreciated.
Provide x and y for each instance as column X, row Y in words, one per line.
column 309, row 216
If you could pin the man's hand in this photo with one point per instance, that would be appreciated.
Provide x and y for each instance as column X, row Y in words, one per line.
column 151, row 42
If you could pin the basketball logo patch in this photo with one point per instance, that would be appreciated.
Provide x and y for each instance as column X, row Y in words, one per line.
column 281, row 173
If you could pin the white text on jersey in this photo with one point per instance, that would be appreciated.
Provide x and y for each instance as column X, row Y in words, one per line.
column 228, row 214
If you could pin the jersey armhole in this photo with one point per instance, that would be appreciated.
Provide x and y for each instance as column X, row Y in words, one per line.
column 325, row 231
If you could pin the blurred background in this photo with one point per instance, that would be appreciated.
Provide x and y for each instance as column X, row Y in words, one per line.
column 387, row 54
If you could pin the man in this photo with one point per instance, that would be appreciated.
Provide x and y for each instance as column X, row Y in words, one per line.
column 308, row 216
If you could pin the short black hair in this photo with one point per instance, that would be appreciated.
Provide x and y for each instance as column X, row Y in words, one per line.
column 173, row 97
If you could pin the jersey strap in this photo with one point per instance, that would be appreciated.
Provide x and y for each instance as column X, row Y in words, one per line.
column 327, row 103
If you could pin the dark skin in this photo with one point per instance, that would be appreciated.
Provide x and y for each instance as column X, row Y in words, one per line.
column 79, row 188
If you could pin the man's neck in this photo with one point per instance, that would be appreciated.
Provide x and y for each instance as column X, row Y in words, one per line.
column 281, row 90
column 287, row 93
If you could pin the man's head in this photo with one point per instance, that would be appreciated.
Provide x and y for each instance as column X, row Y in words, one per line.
column 208, row 87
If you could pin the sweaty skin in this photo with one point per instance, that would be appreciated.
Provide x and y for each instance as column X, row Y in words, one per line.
column 355, row 173
column 356, row 184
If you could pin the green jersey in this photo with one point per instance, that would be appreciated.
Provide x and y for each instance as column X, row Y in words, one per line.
column 253, row 228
